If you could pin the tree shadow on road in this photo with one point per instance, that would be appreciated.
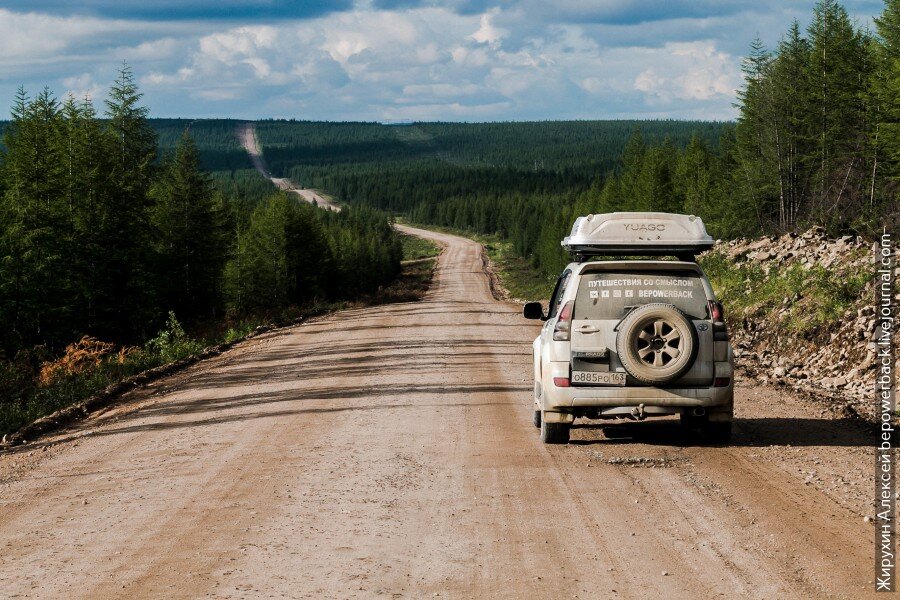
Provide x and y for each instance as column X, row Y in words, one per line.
column 193, row 413
column 748, row 433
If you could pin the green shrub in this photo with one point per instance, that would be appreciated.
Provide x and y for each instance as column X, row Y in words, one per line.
column 805, row 300
column 172, row 343
column 415, row 247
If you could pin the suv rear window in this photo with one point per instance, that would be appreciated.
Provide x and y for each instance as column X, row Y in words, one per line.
column 612, row 295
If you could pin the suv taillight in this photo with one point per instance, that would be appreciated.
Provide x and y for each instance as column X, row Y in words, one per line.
column 563, row 329
column 717, row 315
column 716, row 311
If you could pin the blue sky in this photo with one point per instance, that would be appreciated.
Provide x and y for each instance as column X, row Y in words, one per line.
column 390, row 60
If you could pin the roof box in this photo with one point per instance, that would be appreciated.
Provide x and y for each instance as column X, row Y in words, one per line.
column 638, row 233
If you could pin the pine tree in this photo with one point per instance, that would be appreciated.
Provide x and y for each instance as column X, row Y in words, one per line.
column 190, row 234
column 125, row 274
column 35, row 217
column 886, row 99
column 838, row 77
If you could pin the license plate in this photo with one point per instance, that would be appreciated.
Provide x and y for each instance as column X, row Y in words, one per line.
column 598, row 378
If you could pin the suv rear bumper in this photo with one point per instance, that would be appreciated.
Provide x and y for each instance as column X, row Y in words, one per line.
column 562, row 398
column 555, row 398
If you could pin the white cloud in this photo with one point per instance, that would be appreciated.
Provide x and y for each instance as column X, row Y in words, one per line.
column 32, row 37
column 693, row 71
column 216, row 94
column 487, row 33
column 646, row 81
column 441, row 90
column 153, row 50
column 82, row 86
column 406, row 65
column 42, row 39
column 532, row 59
column 236, row 43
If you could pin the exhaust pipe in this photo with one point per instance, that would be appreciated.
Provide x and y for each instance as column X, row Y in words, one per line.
column 699, row 411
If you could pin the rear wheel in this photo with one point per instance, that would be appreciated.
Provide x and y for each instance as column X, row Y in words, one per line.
column 537, row 419
column 555, row 433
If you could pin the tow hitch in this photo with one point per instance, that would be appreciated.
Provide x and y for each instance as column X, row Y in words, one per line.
column 637, row 413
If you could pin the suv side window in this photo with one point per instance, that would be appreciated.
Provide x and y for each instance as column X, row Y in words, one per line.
column 556, row 298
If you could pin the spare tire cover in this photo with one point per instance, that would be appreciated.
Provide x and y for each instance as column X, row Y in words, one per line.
column 656, row 343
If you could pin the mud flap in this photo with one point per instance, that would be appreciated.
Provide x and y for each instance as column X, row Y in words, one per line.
column 557, row 417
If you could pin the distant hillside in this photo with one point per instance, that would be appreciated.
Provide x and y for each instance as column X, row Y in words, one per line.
column 397, row 167
column 541, row 145
column 219, row 147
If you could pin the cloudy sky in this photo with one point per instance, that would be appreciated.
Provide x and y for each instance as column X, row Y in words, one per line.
column 390, row 60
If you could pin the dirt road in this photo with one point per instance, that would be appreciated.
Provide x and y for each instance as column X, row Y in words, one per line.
column 389, row 452
column 246, row 133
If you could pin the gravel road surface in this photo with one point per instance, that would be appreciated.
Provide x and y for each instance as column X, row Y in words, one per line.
column 388, row 452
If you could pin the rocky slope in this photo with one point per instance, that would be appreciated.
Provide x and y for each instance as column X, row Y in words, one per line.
column 801, row 310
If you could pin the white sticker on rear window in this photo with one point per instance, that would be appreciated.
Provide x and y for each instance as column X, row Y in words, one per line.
column 619, row 293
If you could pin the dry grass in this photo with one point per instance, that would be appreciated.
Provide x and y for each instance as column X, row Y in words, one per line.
column 83, row 356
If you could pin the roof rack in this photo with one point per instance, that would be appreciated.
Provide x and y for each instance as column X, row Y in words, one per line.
column 638, row 234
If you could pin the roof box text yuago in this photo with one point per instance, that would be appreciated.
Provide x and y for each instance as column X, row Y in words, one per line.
column 638, row 233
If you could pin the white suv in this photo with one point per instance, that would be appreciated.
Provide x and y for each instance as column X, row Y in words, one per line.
column 633, row 338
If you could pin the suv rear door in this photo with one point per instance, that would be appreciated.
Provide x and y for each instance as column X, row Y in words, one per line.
column 604, row 298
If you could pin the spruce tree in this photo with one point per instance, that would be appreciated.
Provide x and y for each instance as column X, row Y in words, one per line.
column 281, row 257
column 655, row 190
column 886, row 95
column 838, row 80
column 793, row 101
column 125, row 275
column 190, row 234
column 92, row 194
column 35, row 216
column 693, row 179
column 632, row 164
column 752, row 149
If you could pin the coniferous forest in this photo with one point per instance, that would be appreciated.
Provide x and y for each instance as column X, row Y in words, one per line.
column 111, row 230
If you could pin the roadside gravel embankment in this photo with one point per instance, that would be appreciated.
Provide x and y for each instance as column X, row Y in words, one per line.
column 802, row 313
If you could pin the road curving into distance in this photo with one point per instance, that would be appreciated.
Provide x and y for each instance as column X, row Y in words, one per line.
column 246, row 133
column 389, row 452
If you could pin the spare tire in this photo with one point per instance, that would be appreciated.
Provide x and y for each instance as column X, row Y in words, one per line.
column 656, row 343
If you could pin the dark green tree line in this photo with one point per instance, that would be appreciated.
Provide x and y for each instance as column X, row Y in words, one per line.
column 101, row 236
column 813, row 141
